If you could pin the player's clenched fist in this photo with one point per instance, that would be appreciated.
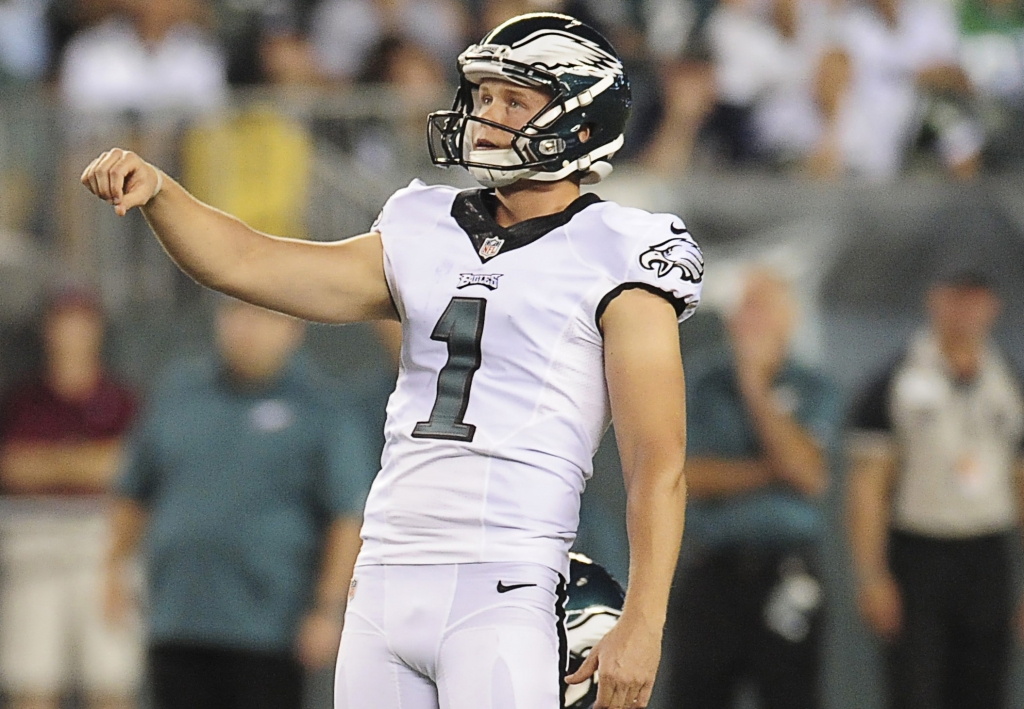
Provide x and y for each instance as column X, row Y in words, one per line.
column 122, row 178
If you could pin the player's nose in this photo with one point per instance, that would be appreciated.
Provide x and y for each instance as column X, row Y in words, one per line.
column 487, row 137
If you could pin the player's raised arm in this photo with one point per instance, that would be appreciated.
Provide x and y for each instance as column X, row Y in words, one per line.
column 327, row 282
column 644, row 370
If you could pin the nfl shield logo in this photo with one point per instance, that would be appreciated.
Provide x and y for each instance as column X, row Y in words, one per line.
column 491, row 247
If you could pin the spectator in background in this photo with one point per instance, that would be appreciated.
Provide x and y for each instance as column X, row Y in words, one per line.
column 904, row 65
column 760, row 430
column 255, row 161
column 599, row 14
column 67, row 18
column 246, row 479
column 245, row 29
column 60, row 446
column 417, row 82
column 137, row 74
column 345, row 32
column 24, row 41
column 992, row 53
column 151, row 57
column 771, row 60
column 933, row 504
column 992, row 47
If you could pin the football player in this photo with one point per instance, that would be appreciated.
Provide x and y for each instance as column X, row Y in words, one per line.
column 531, row 315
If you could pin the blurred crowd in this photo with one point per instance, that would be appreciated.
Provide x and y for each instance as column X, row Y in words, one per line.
column 825, row 88
column 243, row 99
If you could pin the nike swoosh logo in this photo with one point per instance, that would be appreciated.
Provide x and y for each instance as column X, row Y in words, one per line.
column 677, row 230
column 502, row 588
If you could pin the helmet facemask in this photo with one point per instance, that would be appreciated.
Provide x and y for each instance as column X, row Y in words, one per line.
column 532, row 151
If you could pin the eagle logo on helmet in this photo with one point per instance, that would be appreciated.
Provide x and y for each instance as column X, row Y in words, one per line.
column 563, row 53
column 678, row 252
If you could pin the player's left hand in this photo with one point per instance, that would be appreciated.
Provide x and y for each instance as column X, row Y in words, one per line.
column 626, row 660
column 318, row 640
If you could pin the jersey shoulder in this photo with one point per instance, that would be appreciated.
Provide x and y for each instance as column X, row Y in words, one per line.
column 418, row 203
column 656, row 242
column 653, row 251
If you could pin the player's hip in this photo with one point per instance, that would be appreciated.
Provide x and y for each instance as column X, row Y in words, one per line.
column 386, row 544
column 426, row 612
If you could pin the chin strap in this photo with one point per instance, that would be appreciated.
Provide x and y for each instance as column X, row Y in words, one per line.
column 594, row 166
column 497, row 176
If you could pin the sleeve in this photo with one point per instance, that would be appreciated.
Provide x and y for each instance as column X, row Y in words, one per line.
column 143, row 466
column 392, row 207
column 870, row 422
column 350, row 464
column 870, row 411
column 384, row 225
column 823, row 416
column 665, row 261
column 125, row 402
column 139, row 473
column 701, row 399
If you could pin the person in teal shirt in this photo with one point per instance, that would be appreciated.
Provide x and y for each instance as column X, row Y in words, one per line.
column 761, row 427
column 244, row 488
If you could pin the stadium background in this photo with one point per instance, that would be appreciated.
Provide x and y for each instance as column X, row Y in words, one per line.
column 319, row 161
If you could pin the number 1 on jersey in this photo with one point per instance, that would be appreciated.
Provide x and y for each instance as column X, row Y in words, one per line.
column 462, row 327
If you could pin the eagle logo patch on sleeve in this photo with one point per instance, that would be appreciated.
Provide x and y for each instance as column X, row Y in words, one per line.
column 678, row 252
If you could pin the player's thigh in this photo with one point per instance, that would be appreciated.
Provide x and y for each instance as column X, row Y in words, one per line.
column 504, row 658
column 369, row 675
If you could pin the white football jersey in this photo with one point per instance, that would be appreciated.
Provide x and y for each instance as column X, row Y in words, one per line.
column 501, row 399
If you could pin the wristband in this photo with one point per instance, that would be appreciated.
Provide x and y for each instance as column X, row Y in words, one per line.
column 159, row 182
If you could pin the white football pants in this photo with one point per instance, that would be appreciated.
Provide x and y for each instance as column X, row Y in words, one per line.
column 453, row 636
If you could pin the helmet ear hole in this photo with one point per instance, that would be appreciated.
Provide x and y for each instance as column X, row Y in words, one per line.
column 584, row 133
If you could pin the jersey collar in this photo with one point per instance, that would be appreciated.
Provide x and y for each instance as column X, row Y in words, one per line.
column 473, row 210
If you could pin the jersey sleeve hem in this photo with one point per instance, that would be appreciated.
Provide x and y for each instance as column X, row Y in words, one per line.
column 389, row 281
column 680, row 304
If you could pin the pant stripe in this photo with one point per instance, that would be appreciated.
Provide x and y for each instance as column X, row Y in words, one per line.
column 561, row 597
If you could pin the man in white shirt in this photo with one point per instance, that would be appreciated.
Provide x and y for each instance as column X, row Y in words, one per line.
column 934, row 505
column 903, row 53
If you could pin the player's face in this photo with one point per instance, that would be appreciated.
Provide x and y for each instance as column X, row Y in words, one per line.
column 507, row 104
